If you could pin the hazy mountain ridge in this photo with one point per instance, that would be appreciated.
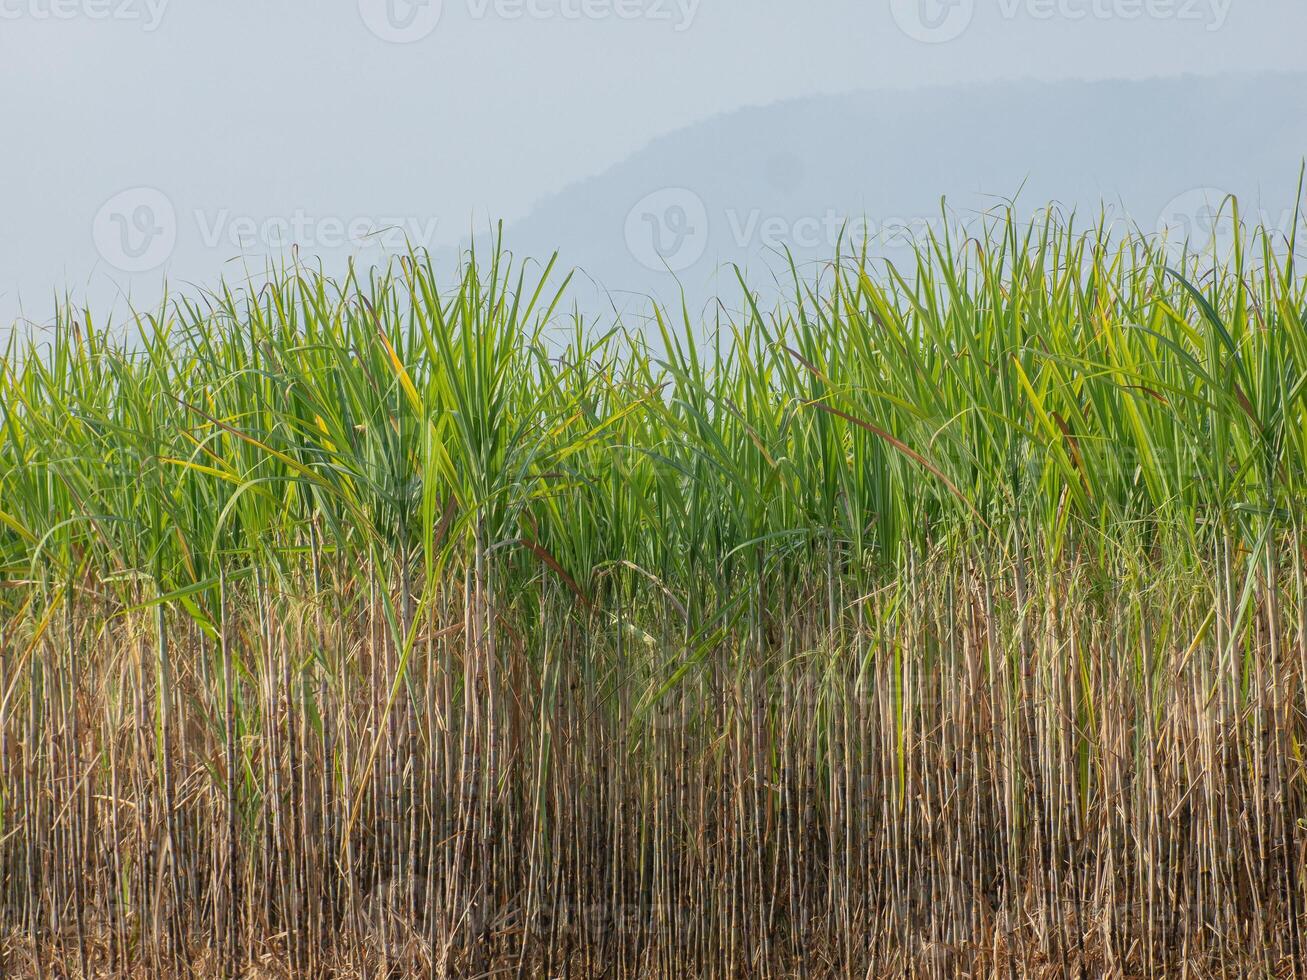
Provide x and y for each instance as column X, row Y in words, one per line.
column 741, row 187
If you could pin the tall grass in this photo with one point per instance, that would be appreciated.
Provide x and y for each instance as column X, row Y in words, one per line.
column 947, row 618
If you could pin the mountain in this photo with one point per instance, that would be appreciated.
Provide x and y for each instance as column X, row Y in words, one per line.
column 740, row 187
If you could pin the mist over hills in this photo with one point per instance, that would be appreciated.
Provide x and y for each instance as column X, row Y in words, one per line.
column 743, row 187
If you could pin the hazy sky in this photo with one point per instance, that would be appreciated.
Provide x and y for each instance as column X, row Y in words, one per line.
column 234, row 122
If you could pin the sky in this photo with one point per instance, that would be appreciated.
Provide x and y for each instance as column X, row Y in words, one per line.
column 153, row 138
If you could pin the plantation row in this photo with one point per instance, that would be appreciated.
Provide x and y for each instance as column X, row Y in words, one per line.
column 945, row 617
